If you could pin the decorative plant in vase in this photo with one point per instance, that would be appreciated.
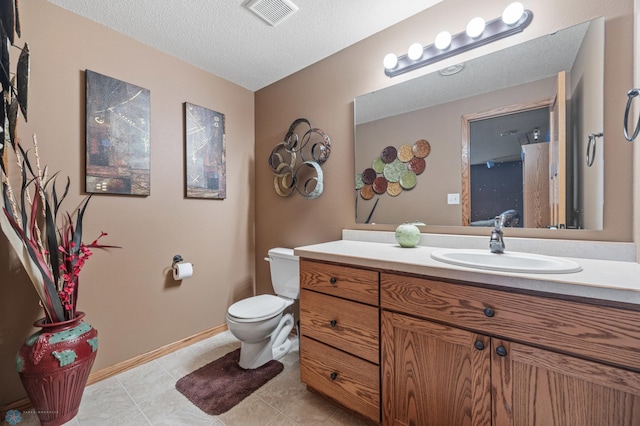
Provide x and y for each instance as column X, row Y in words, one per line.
column 48, row 243
column 55, row 362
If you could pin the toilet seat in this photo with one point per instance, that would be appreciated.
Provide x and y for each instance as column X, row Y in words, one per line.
column 256, row 308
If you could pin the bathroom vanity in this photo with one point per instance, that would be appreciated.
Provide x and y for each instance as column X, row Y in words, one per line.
column 401, row 339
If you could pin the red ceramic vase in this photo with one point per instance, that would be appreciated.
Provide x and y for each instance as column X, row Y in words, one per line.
column 54, row 365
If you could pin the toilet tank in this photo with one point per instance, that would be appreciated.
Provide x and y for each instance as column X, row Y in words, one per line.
column 285, row 272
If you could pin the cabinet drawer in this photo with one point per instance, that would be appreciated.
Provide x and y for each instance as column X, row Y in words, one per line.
column 349, row 380
column 597, row 332
column 349, row 326
column 342, row 281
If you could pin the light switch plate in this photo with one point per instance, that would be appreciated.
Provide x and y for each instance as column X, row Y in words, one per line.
column 453, row 198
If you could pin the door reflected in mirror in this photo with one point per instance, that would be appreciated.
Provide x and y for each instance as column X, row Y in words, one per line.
column 508, row 168
column 544, row 157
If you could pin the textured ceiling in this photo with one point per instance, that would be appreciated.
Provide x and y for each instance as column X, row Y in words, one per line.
column 226, row 39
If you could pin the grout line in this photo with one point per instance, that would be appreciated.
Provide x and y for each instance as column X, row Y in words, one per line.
column 133, row 399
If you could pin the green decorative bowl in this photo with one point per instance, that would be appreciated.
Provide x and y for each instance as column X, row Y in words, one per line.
column 407, row 235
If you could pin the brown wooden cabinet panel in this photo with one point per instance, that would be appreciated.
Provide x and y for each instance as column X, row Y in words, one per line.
column 433, row 375
column 463, row 354
column 537, row 387
column 340, row 335
column 604, row 333
column 348, row 326
column 347, row 282
column 349, row 380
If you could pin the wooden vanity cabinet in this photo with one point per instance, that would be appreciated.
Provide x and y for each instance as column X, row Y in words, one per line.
column 432, row 374
column 340, row 335
column 454, row 354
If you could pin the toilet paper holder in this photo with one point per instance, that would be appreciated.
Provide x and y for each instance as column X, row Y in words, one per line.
column 177, row 259
column 181, row 269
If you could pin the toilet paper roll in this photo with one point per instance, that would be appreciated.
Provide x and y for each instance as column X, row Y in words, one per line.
column 182, row 270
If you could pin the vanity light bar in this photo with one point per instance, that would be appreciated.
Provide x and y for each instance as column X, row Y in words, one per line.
column 461, row 42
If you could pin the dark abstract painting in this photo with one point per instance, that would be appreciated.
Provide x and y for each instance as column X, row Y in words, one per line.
column 118, row 142
column 204, row 153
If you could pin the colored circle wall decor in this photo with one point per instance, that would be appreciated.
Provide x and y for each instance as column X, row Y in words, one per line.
column 394, row 170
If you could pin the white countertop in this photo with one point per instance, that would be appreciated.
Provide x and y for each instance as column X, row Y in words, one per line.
column 611, row 280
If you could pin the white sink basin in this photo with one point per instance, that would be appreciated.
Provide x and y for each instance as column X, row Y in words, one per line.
column 507, row 262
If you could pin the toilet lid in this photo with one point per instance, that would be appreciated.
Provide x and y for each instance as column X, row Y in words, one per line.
column 264, row 305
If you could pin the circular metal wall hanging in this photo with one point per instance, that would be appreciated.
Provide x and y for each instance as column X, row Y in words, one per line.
column 313, row 148
column 380, row 185
column 392, row 171
column 405, row 153
column 394, row 189
column 282, row 160
column 291, row 139
column 319, row 143
column 408, row 179
column 367, row 192
column 368, row 176
column 421, row 148
column 307, row 184
column 416, row 165
column 389, row 154
column 378, row 165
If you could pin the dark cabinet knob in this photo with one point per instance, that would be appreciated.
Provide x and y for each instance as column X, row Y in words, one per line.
column 479, row 345
column 500, row 350
column 334, row 376
column 333, row 280
column 333, row 323
column 489, row 312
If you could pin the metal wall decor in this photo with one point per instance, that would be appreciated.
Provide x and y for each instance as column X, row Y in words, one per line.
column 394, row 170
column 296, row 162
column 118, row 136
column 205, row 150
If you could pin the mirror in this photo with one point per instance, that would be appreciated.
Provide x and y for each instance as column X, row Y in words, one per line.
column 440, row 148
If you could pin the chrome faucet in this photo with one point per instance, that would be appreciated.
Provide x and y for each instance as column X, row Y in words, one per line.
column 496, row 242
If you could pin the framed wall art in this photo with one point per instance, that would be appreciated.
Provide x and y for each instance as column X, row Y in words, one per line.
column 205, row 147
column 117, row 141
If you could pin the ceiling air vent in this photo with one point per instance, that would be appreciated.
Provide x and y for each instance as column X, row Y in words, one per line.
column 272, row 11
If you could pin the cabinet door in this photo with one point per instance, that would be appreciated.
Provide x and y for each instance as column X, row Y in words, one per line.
column 537, row 387
column 433, row 375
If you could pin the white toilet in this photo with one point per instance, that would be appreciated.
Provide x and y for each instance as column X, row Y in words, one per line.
column 258, row 321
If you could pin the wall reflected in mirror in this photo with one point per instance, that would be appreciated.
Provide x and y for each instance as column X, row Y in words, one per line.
column 478, row 123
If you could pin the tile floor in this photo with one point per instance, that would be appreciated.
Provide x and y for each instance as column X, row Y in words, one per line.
column 146, row 395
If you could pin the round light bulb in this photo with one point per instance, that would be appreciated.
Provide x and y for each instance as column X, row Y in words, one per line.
column 390, row 61
column 415, row 51
column 443, row 40
column 512, row 13
column 475, row 27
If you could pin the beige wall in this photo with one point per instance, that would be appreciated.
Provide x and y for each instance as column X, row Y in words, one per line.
column 128, row 294
column 586, row 77
column 324, row 94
